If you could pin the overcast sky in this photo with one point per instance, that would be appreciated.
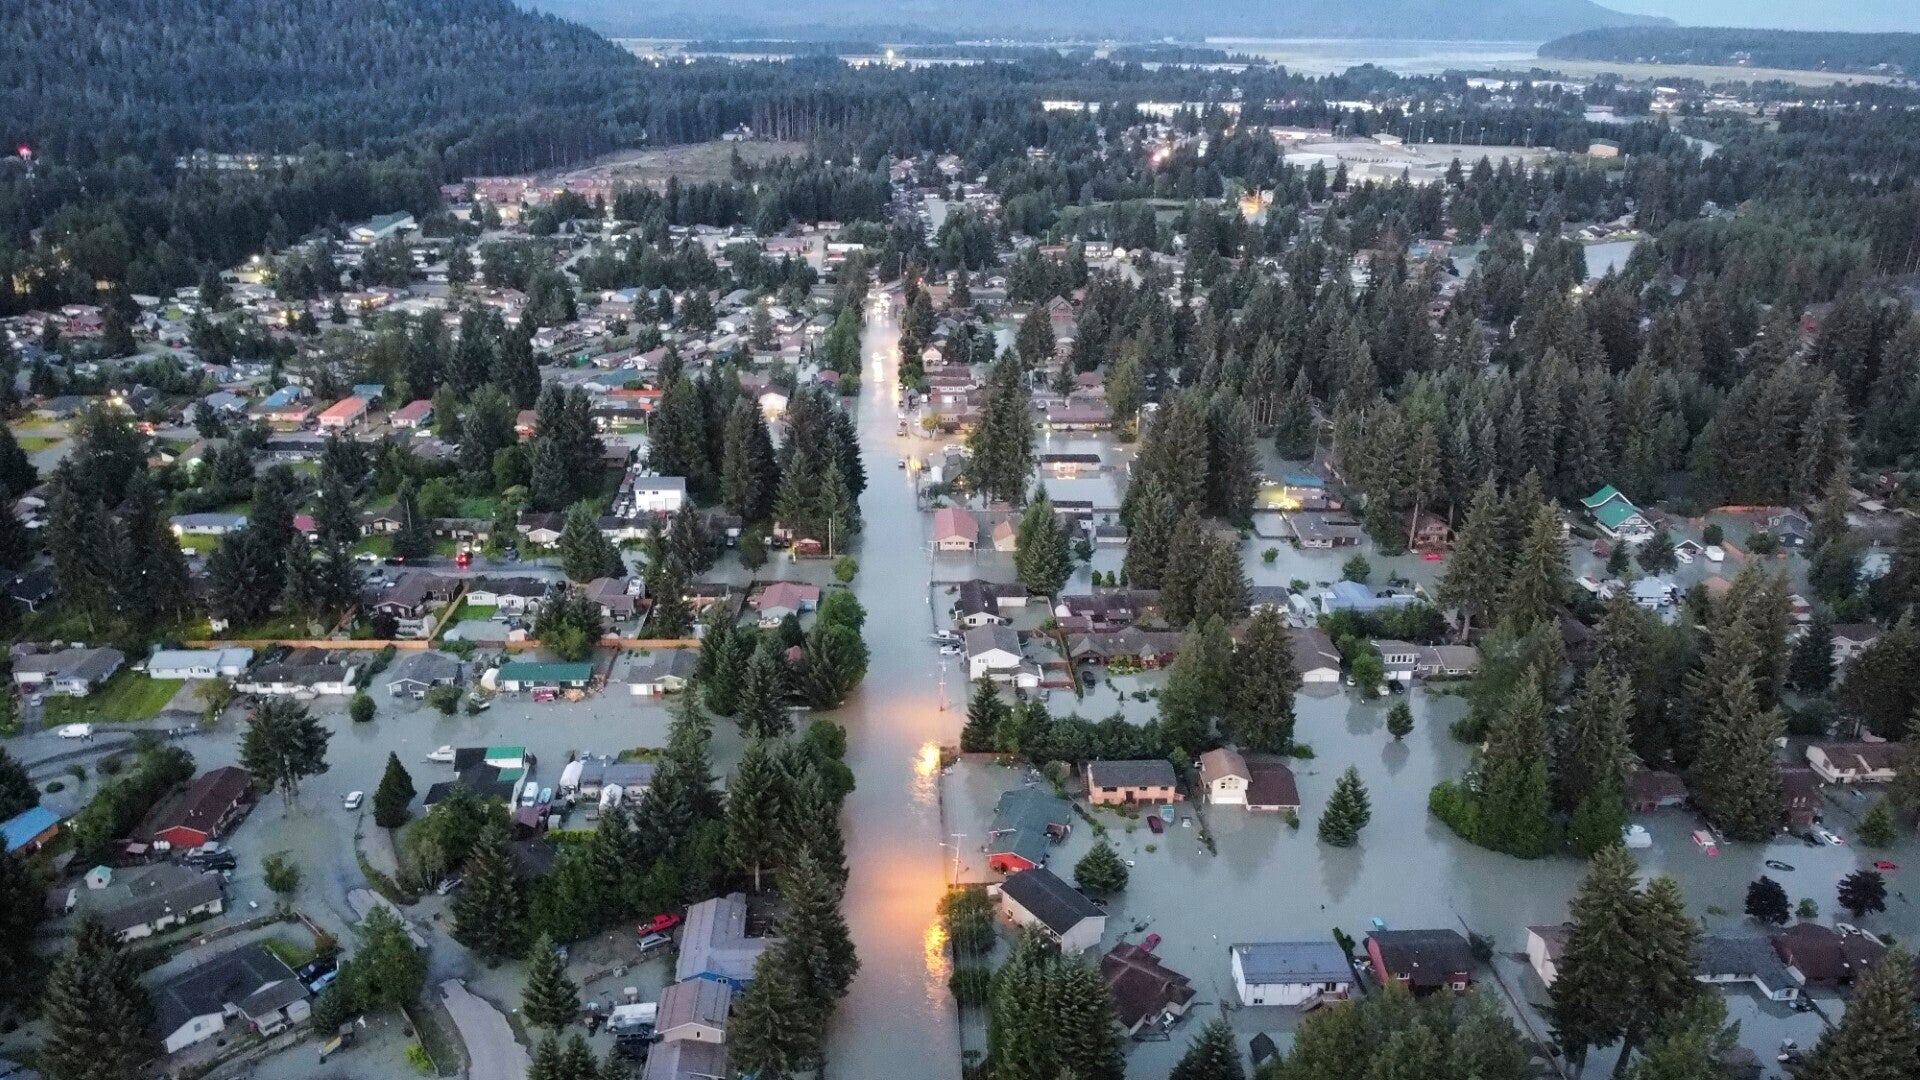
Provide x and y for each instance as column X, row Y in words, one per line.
column 1783, row 14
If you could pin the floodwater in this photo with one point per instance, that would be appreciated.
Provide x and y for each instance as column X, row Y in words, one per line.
column 898, row 1019
column 1611, row 256
column 1330, row 56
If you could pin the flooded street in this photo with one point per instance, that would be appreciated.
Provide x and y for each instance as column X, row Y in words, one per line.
column 898, row 1019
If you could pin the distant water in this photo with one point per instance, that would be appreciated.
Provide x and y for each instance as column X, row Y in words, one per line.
column 1328, row 56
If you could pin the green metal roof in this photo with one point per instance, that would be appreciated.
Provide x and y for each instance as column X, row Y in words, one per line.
column 1602, row 497
column 529, row 671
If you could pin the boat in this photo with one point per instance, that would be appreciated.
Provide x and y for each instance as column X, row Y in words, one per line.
column 1379, row 923
column 443, row 756
column 546, row 795
column 1166, row 814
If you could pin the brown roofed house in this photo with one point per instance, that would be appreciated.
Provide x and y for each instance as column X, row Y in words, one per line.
column 202, row 810
column 1145, row 991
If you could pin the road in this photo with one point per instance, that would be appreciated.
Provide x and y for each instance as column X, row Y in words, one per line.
column 898, row 1018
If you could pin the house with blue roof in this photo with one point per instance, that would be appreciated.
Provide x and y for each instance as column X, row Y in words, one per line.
column 29, row 830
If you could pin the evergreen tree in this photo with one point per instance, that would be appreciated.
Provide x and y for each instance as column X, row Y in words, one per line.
column 670, row 616
column 753, row 811
column 1221, row 589
column 154, row 585
column 1810, row 664
column 550, row 1000
column 1233, row 464
column 1262, row 685
column 1878, row 1038
column 1196, row 690
column 585, row 552
column 1537, row 585
column 1041, row 555
column 1100, row 871
column 1214, row 1054
column 1593, row 750
column 763, row 694
column 1593, row 995
column 18, row 793
column 813, row 936
column 1400, row 720
column 985, row 713
column 414, row 538
column 1863, row 892
column 1294, row 430
column 1002, row 442
column 1767, row 902
column 834, row 662
column 515, row 371
column 1348, row 811
column 1515, row 798
column 395, row 793
column 98, row 1017
column 1876, row 827
column 749, row 469
column 1150, row 540
column 773, row 1032
column 1475, row 579
column 1736, row 775
column 487, row 909
column 1664, row 943
column 283, row 745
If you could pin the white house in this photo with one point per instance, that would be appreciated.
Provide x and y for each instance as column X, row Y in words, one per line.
column 381, row 227
column 199, row 663
column 1040, row 899
column 1290, row 972
column 1855, row 762
column 1726, row 961
column 994, row 651
column 248, row 985
column 1314, row 656
column 72, row 672
column 659, row 494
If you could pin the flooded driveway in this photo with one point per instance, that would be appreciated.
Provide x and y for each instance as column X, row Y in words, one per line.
column 898, row 1019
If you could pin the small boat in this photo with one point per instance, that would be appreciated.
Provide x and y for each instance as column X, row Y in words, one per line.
column 444, row 755
column 1166, row 814
column 1379, row 923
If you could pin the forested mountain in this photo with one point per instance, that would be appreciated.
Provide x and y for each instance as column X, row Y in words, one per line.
column 1447, row 20
column 1806, row 49
column 88, row 80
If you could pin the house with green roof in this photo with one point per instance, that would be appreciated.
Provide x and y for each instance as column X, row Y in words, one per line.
column 519, row 676
column 1617, row 516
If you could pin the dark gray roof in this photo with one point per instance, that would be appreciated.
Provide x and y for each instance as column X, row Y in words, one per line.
column 1059, row 906
column 228, row 979
column 1426, row 958
column 1153, row 773
column 1741, row 957
column 1284, row 962
column 1022, row 820
column 162, row 891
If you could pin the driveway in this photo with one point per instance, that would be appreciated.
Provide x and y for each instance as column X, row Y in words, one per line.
column 491, row 1051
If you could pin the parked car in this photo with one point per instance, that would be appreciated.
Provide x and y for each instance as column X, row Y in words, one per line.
column 660, row 924
column 1155, row 825
column 654, row 941
column 1827, row 836
column 354, row 799
column 1151, row 943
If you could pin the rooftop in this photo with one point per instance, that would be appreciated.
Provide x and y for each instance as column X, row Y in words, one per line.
column 1059, row 906
column 1293, row 962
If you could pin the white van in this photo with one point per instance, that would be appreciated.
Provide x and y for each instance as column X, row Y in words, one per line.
column 77, row 731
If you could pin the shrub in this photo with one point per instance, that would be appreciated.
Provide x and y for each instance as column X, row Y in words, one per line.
column 1762, row 543
column 444, row 698
column 1448, row 801
column 1270, row 555
column 361, row 708
column 56, row 787
column 845, row 568
column 281, row 875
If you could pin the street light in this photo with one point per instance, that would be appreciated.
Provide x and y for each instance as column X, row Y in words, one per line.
column 956, row 855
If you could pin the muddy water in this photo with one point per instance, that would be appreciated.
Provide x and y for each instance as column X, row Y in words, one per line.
column 898, row 1019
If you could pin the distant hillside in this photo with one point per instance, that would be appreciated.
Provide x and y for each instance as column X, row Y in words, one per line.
column 1451, row 20
column 90, row 80
column 1883, row 54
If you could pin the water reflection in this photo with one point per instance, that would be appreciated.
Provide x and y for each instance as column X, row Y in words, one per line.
column 934, row 945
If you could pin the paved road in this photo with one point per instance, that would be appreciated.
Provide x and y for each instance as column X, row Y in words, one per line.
column 490, row 1046
column 898, row 1018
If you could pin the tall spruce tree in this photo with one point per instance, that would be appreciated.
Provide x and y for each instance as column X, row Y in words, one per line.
column 749, row 469
column 550, row 999
column 754, row 806
column 1348, row 811
column 1537, row 584
column 585, row 552
column 1041, row 553
column 1475, row 579
column 1593, row 995
column 1878, row 1038
column 487, row 910
column 1736, row 774
column 1592, row 749
column 763, row 694
column 1214, row 1054
column 1002, row 443
column 1664, row 942
column 1262, row 685
column 985, row 713
column 773, row 1032
column 98, row 1017
column 393, row 796
column 1515, row 797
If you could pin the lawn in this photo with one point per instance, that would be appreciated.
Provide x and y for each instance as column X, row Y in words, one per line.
column 127, row 697
column 472, row 611
column 35, row 443
column 290, row 953
column 199, row 542
column 445, row 547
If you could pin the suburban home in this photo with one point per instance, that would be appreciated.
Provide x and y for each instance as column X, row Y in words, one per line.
column 1855, row 762
column 1430, row 532
column 71, row 672
column 1400, row 659
column 1229, row 778
column 1006, row 538
column 1314, row 656
column 619, row 598
column 1617, row 516
column 342, row 415
column 1040, row 899
column 1791, row 528
column 416, row 673
column 208, row 524
column 199, row 663
column 160, row 898
column 414, row 414
column 508, row 596
column 783, row 598
column 694, row 1011
column 1111, row 609
column 1824, row 956
column 1126, row 782
column 955, row 529
column 1354, row 596
column 302, row 673
column 203, row 809
column 542, row 529
column 978, row 605
column 665, row 671
column 1290, row 973
column 1149, row 649
column 1027, row 822
column 1146, row 993
column 1654, row 789
column 1320, row 532
column 1852, row 639
column 1078, row 413
column 29, row 830
column 714, row 943
column 1654, row 593
column 382, row 226
column 1727, row 961
column 1422, row 960
column 517, row 676
column 1447, row 662
column 248, row 984
column 658, row 494
column 1799, row 797
column 1545, row 946
column 32, row 587
column 686, row 1059
column 994, row 651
